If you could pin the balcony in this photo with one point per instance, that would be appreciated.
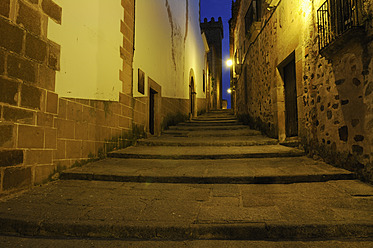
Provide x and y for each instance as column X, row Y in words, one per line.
column 338, row 22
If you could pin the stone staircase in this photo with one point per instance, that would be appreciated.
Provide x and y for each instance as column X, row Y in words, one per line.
column 208, row 179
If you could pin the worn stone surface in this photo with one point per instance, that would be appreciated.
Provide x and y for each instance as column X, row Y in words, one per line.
column 29, row 17
column 5, row 8
column 21, row 68
column 52, row 10
column 9, row 91
column 52, row 103
column 10, row 157
column 30, row 137
column 17, row 177
column 35, row 48
column 265, row 170
column 30, row 97
column 6, row 135
column 166, row 199
column 54, row 56
column 12, row 36
column 196, row 208
column 18, row 115
column 2, row 63
column 11, row 241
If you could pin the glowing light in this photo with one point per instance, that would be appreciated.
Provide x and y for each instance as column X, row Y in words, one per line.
column 229, row 91
column 229, row 62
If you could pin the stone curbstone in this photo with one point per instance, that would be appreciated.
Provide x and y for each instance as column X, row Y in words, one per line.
column 208, row 180
column 168, row 231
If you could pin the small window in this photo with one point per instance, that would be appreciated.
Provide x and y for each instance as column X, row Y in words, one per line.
column 141, row 81
column 253, row 14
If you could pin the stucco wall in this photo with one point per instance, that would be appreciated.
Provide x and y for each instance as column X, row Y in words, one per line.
column 168, row 46
column 91, row 41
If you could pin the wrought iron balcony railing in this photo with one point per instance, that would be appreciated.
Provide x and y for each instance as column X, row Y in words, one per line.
column 335, row 17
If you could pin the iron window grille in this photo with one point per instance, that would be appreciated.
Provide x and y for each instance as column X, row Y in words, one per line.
column 335, row 17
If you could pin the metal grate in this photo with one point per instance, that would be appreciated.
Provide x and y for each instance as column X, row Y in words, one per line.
column 336, row 17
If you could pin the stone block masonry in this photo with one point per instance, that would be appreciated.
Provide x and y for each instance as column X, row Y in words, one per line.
column 42, row 133
column 39, row 131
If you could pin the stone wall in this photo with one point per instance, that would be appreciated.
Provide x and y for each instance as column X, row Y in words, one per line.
column 337, row 99
column 334, row 90
column 40, row 132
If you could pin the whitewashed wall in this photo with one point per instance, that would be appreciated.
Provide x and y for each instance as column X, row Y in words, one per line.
column 168, row 45
column 90, row 40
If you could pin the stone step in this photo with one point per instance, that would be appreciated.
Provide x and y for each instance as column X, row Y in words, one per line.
column 207, row 119
column 152, row 211
column 215, row 133
column 210, row 123
column 235, row 171
column 206, row 152
column 13, row 241
column 169, row 140
column 208, row 127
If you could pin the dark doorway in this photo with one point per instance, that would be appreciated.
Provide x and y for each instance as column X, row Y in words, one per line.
column 192, row 96
column 152, row 94
column 291, row 108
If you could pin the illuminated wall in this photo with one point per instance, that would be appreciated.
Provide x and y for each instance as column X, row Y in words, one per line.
column 168, row 46
column 90, row 40
column 331, row 82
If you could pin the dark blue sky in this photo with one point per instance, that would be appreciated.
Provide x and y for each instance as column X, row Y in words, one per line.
column 220, row 8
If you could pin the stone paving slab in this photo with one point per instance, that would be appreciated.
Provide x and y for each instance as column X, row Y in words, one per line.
column 335, row 209
column 169, row 140
column 265, row 170
column 12, row 241
column 206, row 152
column 214, row 133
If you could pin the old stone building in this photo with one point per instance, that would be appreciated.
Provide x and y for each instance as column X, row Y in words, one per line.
column 213, row 34
column 303, row 72
column 80, row 78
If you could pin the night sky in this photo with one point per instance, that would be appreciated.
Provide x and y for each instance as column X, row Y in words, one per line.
column 220, row 8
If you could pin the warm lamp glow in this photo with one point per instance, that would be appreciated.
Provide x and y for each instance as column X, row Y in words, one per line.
column 229, row 91
column 229, row 62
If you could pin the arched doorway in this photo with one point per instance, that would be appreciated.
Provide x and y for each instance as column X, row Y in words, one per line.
column 192, row 95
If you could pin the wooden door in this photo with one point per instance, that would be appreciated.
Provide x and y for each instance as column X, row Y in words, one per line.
column 291, row 108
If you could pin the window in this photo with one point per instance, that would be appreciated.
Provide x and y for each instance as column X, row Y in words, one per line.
column 335, row 17
column 253, row 14
column 141, row 82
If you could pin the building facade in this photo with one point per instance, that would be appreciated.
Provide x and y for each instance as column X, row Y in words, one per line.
column 80, row 78
column 303, row 72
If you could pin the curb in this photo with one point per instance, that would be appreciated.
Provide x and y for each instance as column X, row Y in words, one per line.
column 232, row 143
column 168, row 231
column 202, row 156
column 208, row 180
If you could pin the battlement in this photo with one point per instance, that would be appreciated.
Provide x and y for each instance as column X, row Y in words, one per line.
column 212, row 24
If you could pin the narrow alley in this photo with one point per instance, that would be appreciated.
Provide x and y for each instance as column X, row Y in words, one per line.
column 208, row 179
column 186, row 123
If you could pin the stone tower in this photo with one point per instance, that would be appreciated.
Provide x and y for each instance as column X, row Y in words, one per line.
column 213, row 31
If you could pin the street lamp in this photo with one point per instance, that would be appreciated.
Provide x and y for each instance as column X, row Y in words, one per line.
column 229, row 91
column 229, row 62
